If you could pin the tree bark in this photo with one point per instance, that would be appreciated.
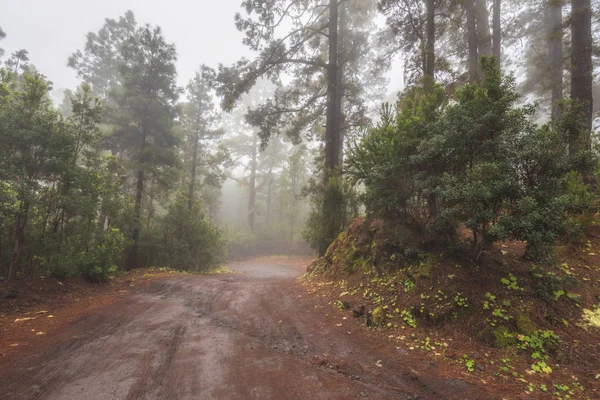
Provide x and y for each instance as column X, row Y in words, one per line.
column 193, row 167
column 333, row 145
column 252, row 184
column 497, row 30
column 555, row 54
column 20, row 225
column 581, row 70
column 139, row 193
column 472, row 40
column 430, row 46
column 333, row 125
column 339, row 102
column 484, row 38
column 269, row 200
column 430, row 79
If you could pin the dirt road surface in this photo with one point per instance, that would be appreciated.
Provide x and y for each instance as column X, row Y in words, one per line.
column 252, row 334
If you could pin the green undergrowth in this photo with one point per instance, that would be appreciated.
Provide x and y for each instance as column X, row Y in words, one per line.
column 504, row 318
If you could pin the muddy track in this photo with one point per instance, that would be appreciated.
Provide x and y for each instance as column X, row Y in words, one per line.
column 249, row 335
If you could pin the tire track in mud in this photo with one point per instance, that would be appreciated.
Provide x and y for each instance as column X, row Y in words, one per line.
column 247, row 336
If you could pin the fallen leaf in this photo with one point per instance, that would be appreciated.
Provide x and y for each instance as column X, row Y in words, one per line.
column 379, row 364
column 24, row 319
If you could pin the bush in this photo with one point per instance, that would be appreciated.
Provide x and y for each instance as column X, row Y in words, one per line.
column 338, row 198
column 189, row 241
column 478, row 161
column 100, row 263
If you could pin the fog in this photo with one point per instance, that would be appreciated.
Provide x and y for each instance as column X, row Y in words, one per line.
column 232, row 126
column 203, row 31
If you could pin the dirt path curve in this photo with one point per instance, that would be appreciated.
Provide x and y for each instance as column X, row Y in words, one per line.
column 254, row 334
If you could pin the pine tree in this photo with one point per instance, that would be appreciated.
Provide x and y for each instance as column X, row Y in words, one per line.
column 206, row 159
column 146, row 114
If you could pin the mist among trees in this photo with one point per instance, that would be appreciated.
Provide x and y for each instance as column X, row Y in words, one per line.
column 494, row 131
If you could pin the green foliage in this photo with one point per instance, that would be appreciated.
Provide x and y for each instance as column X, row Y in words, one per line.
column 549, row 285
column 100, row 263
column 469, row 363
column 479, row 161
column 408, row 318
column 378, row 316
column 188, row 241
column 333, row 203
column 540, row 344
column 511, row 283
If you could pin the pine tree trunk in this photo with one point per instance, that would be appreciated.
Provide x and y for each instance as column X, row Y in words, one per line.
column 20, row 225
column 137, row 210
column 192, row 187
column 472, row 40
column 430, row 79
column 333, row 125
column 340, row 79
column 555, row 54
column 269, row 200
column 430, row 46
column 135, row 233
column 497, row 30
column 333, row 148
column 581, row 69
column 484, row 38
column 252, row 185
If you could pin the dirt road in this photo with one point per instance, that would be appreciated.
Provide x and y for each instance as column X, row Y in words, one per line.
column 252, row 334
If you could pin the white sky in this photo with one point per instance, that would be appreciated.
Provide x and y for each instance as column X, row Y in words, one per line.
column 203, row 31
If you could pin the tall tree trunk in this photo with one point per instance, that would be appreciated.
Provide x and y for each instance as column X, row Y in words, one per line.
column 497, row 30
column 581, row 69
column 135, row 233
column 20, row 225
column 333, row 125
column 472, row 40
column 333, row 145
column 342, row 50
column 252, row 185
column 430, row 46
column 429, row 79
column 269, row 200
column 193, row 167
column 555, row 54
column 484, row 38
column 137, row 211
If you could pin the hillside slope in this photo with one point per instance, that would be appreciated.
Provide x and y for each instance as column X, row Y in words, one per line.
column 531, row 329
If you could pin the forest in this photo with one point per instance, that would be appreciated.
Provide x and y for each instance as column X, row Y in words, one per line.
column 438, row 159
column 493, row 132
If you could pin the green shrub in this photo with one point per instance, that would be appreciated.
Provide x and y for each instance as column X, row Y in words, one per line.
column 188, row 240
column 480, row 161
column 100, row 263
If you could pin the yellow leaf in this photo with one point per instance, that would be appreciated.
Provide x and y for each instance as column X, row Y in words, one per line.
column 24, row 319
